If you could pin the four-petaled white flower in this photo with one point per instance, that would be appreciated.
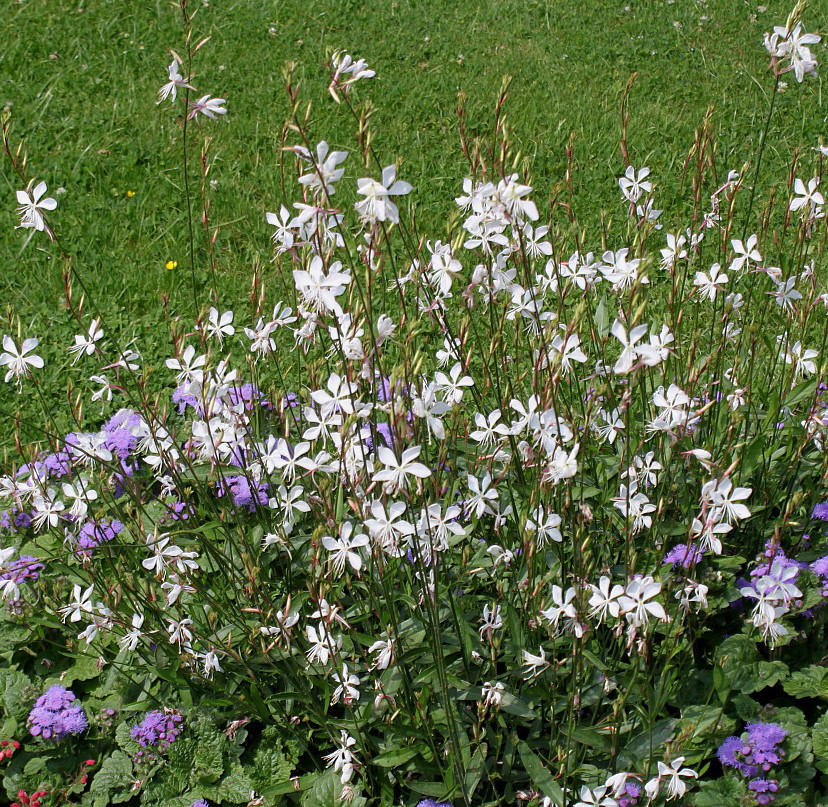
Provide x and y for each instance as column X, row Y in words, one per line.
column 18, row 361
column 377, row 205
column 31, row 207
column 207, row 106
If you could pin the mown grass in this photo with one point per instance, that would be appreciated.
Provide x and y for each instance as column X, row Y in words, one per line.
column 81, row 79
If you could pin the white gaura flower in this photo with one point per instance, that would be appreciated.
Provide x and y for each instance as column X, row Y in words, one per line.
column 176, row 80
column 348, row 686
column 492, row 693
column 712, row 282
column 637, row 603
column 130, row 641
column 535, row 664
column 31, row 207
column 802, row 359
column 604, row 599
column 561, row 465
column 189, row 366
column 207, row 106
column 80, row 604
column 377, row 206
column 325, row 169
column 342, row 760
column 219, row 326
column 18, row 361
column 490, row 621
column 384, row 649
column 633, row 184
column 808, row 199
column 396, row 472
column 595, row 797
column 674, row 775
column 87, row 344
column 725, row 500
column 323, row 644
column 344, row 549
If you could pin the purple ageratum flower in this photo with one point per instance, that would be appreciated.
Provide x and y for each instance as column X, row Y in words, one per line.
column 250, row 395
column 200, row 803
column 177, row 511
column 433, row 803
column 630, row 796
column 14, row 520
column 731, row 754
column 820, row 568
column 158, row 729
column 243, row 495
column 55, row 715
column 820, row 511
column 756, row 750
column 26, row 567
column 684, row 555
column 764, row 789
column 184, row 399
column 93, row 533
column 58, row 464
column 764, row 738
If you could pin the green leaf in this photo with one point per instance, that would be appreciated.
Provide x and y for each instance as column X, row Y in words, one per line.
column 723, row 792
column 111, row 783
column 812, row 682
column 274, row 759
column 437, row 790
column 236, row 786
column 474, row 773
column 743, row 667
column 325, row 791
column 538, row 773
column 399, row 756
column 647, row 743
column 819, row 740
column 601, row 318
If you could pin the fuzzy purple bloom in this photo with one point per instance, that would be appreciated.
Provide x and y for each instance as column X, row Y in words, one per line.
column 433, row 803
column 630, row 796
column 200, row 803
column 26, row 567
column 55, row 715
column 250, row 395
column 158, row 729
column 184, row 399
column 820, row 511
column 243, row 495
column 93, row 533
column 684, row 555
column 764, row 789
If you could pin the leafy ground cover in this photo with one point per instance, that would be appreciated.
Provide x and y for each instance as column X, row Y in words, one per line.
column 490, row 475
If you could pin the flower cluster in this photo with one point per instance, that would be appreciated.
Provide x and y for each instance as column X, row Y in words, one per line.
column 7, row 748
column 56, row 715
column 754, row 754
column 158, row 729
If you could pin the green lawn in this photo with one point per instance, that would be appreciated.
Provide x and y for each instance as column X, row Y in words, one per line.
column 81, row 80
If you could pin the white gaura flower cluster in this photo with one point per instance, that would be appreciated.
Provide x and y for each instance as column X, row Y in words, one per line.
column 484, row 419
column 788, row 47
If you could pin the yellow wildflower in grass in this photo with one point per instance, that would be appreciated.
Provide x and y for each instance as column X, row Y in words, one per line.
column 171, row 265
